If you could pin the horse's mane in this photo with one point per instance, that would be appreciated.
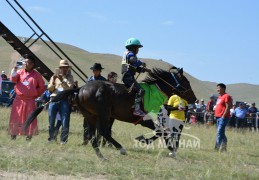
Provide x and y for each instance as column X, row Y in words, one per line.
column 152, row 76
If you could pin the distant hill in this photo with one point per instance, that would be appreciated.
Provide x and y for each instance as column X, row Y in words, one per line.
column 84, row 59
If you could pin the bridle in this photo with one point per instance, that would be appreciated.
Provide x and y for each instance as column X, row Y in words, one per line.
column 178, row 85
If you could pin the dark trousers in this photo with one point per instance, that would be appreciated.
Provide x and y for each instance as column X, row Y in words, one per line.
column 128, row 79
column 240, row 122
column 254, row 123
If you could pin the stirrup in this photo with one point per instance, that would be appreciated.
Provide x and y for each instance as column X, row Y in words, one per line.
column 139, row 113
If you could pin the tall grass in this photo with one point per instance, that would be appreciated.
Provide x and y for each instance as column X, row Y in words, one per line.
column 38, row 158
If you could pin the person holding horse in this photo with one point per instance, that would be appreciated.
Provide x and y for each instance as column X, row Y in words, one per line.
column 177, row 107
column 60, row 81
column 130, row 65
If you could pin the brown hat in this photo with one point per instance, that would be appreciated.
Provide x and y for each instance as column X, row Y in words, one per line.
column 64, row 63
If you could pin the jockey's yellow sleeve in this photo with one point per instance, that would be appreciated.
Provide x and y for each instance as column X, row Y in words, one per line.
column 176, row 101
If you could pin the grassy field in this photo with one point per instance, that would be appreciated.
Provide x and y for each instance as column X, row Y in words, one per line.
column 196, row 158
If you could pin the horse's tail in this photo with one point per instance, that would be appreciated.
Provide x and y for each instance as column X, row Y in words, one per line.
column 36, row 112
column 64, row 94
column 78, row 106
column 32, row 116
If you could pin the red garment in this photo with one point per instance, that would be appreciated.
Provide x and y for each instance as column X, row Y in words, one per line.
column 221, row 105
column 210, row 106
column 29, row 86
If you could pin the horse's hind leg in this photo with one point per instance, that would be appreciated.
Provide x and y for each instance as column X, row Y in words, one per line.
column 95, row 140
column 104, row 131
column 95, row 145
column 110, row 133
column 115, row 143
column 87, row 132
column 151, row 125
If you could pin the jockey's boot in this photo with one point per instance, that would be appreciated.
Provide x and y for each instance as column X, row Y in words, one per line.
column 137, row 110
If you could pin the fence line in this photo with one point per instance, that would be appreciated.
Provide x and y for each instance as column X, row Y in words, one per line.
column 205, row 117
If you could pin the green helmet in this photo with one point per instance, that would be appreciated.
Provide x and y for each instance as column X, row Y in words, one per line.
column 133, row 42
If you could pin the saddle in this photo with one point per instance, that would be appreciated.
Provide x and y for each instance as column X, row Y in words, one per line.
column 153, row 98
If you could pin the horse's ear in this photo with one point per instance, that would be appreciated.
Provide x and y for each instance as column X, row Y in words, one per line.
column 180, row 71
column 172, row 68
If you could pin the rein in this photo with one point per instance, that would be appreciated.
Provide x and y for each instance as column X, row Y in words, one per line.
column 165, row 82
column 175, row 88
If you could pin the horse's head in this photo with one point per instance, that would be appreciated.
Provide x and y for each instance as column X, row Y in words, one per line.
column 172, row 82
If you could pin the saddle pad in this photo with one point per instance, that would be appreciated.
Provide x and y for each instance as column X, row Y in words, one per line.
column 153, row 98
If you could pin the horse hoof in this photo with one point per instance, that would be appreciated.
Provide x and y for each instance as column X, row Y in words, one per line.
column 110, row 146
column 85, row 143
column 172, row 154
column 103, row 159
column 123, row 151
column 140, row 138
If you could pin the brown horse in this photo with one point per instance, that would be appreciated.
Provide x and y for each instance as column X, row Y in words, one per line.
column 99, row 101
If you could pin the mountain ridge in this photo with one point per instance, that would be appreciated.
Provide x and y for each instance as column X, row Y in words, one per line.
column 85, row 59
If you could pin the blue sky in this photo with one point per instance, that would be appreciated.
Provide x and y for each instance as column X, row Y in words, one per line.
column 213, row 40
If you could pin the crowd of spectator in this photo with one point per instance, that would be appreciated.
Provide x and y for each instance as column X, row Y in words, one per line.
column 4, row 76
column 59, row 114
column 243, row 114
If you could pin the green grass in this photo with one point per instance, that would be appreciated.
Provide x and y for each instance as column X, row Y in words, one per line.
column 74, row 161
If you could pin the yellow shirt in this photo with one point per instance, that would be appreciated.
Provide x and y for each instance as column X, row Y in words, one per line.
column 176, row 101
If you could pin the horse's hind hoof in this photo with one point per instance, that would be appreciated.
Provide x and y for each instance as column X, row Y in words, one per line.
column 85, row 143
column 123, row 151
column 172, row 154
column 103, row 159
column 141, row 138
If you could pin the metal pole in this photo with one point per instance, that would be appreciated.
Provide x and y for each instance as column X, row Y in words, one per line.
column 256, row 121
column 52, row 41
